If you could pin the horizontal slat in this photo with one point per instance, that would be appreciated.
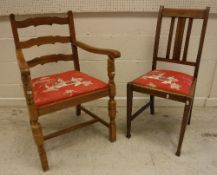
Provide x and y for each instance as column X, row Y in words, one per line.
column 49, row 58
column 41, row 21
column 176, row 61
column 186, row 13
column 44, row 40
column 95, row 116
column 72, row 128
column 63, row 104
column 140, row 111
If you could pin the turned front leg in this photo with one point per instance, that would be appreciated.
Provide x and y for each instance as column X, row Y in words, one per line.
column 38, row 137
column 36, row 127
column 112, row 102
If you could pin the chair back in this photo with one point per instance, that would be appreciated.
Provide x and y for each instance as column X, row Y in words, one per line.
column 182, row 20
column 38, row 41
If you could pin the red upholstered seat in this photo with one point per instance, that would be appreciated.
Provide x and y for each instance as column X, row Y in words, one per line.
column 52, row 88
column 166, row 80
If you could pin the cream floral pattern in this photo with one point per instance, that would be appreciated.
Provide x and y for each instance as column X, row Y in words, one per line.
column 170, row 80
column 52, row 88
column 167, row 80
column 60, row 83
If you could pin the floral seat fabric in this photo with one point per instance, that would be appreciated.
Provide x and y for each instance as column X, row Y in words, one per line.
column 166, row 80
column 52, row 88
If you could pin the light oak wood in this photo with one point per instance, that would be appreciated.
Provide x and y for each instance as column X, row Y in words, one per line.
column 44, row 40
column 36, row 111
column 41, row 21
column 49, row 58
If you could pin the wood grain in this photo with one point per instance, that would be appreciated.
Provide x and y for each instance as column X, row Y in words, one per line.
column 181, row 15
column 36, row 111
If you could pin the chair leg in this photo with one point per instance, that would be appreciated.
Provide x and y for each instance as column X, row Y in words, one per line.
column 112, row 115
column 38, row 137
column 189, row 120
column 129, row 109
column 78, row 110
column 111, row 102
column 183, row 127
column 152, row 104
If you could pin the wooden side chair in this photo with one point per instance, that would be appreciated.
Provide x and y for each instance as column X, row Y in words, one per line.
column 51, row 93
column 170, row 84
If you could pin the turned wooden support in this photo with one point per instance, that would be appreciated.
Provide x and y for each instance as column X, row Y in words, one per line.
column 112, row 102
column 37, row 132
column 36, row 127
column 27, row 87
column 39, row 140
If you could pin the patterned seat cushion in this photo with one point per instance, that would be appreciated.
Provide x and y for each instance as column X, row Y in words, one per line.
column 52, row 88
column 166, row 80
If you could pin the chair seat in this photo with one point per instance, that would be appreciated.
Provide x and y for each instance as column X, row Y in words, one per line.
column 56, row 87
column 168, row 80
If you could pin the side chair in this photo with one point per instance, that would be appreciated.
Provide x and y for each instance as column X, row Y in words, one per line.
column 50, row 93
column 166, row 83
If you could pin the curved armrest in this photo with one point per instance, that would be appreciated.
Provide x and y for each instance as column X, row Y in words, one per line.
column 110, row 52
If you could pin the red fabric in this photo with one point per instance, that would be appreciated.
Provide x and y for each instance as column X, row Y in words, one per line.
column 52, row 88
column 166, row 80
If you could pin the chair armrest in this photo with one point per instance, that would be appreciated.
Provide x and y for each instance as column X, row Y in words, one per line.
column 110, row 52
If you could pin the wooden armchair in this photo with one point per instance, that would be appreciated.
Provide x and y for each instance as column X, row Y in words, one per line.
column 170, row 84
column 51, row 93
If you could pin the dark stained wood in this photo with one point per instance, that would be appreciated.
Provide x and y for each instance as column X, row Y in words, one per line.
column 112, row 53
column 183, row 127
column 190, row 22
column 170, row 37
column 178, row 38
column 49, row 58
column 23, row 65
column 152, row 99
column 34, row 111
column 182, row 15
column 41, row 21
column 200, row 49
column 78, row 110
column 139, row 111
column 189, row 63
column 129, row 108
column 157, row 37
column 193, row 88
column 44, row 40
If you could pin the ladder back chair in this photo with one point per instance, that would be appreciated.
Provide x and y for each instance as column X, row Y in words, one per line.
column 54, row 92
column 170, row 84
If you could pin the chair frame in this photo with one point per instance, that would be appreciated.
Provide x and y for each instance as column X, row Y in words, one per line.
column 182, row 15
column 34, row 111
